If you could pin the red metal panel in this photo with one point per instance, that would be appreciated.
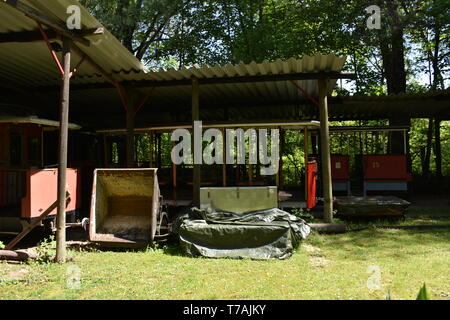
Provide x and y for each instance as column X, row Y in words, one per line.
column 42, row 191
column 386, row 167
column 340, row 167
column 312, row 185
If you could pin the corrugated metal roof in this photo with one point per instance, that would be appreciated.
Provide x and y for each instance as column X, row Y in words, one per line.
column 231, row 94
column 30, row 64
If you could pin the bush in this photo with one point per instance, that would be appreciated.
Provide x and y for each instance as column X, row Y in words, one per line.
column 46, row 251
column 302, row 214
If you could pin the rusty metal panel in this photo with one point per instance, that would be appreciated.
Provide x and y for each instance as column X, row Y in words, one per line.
column 125, row 206
column 41, row 186
column 239, row 199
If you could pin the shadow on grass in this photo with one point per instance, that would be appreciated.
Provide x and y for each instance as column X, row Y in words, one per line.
column 171, row 248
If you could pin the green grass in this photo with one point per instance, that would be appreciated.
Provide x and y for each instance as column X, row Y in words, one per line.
column 325, row 267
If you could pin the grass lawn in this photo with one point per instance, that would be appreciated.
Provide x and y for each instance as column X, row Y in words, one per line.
column 325, row 267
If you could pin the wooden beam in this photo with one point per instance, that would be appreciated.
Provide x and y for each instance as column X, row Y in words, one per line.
column 35, row 36
column 16, row 255
column 212, row 81
column 27, row 36
column 62, row 163
column 246, row 79
column 325, row 148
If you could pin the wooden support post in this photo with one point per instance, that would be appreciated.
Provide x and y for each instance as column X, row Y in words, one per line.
column 325, row 148
column 62, row 163
column 196, row 117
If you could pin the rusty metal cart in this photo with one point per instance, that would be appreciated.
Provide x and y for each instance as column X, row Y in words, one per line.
column 126, row 207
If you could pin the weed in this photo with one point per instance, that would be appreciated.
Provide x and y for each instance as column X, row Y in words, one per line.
column 46, row 251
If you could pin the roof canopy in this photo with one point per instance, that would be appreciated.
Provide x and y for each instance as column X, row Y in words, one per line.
column 25, row 60
column 264, row 92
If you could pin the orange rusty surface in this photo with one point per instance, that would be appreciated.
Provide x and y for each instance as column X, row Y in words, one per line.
column 42, row 191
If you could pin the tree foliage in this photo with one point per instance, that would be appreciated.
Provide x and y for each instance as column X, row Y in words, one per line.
column 410, row 53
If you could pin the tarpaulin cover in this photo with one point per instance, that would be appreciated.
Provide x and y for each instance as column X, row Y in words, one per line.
column 261, row 235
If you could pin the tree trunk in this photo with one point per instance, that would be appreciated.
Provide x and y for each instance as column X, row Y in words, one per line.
column 393, row 54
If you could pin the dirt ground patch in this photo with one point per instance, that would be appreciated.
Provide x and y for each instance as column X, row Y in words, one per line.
column 12, row 272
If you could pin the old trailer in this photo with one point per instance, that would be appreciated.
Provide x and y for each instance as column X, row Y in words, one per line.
column 27, row 187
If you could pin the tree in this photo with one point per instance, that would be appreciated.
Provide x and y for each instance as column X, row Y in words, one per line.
column 141, row 25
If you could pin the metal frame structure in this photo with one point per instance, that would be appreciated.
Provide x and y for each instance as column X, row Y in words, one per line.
column 77, row 42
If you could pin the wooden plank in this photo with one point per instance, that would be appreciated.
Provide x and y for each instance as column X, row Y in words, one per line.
column 16, row 255
column 27, row 36
column 211, row 81
column 62, row 159
column 325, row 151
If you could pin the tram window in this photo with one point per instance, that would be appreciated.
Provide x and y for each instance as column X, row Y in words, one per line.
column 33, row 150
column 15, row 149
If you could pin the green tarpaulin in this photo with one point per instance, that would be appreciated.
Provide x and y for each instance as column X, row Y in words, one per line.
column 268, row 234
